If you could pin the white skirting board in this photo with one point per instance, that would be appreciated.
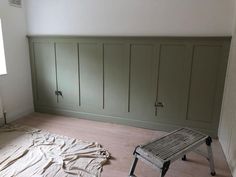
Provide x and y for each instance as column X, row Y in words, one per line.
column 12, row 115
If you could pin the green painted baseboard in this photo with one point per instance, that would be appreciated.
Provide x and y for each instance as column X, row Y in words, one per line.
column 119, row 120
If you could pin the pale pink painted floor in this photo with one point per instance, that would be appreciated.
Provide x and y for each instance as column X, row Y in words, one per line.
column 120, row 141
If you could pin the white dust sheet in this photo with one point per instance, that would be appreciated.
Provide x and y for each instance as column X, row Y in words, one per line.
column 28, row 152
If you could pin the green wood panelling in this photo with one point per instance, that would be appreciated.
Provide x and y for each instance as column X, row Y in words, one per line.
column 116, row 78
column 119, row 79
column 206, row 60
column 173, row 82
column 142, row 81
column 91, row 76
column 67, row 75
column 44, row 59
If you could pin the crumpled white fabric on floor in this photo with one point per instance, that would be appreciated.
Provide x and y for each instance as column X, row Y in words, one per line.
column 28, row 152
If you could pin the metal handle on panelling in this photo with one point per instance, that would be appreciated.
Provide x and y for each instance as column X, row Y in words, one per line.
column 58, row 93
column 158, row 105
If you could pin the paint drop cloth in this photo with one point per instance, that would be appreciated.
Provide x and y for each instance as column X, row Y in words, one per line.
column 28, row 152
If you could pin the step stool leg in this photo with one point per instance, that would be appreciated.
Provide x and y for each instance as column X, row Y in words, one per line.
column 210, row 156
column 164, row 169
column 161, row 174
column 184, row 158
column 133, row 166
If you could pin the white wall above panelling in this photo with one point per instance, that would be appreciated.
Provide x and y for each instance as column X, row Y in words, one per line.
column 130, row 17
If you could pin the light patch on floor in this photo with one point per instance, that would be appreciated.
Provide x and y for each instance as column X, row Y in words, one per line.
column 33, row 152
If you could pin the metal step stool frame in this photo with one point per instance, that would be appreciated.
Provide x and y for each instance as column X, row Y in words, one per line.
column 155, row 158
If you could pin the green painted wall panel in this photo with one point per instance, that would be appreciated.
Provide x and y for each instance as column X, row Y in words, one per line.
column 116, row 78
column 206, row 60
column 67, row 75
column 91, row 76
column 142, row 81
column 173, row 82
column 119, row 79
column 44, row 59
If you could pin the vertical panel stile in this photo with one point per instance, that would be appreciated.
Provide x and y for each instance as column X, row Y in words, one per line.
column 103, row 78
column 191, row 54
column 56, row 72
column 79, row 83
column 34, row 71
column 158, row 53
column 129, row 77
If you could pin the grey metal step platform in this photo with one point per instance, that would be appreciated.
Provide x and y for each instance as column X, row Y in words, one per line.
column 162, row 152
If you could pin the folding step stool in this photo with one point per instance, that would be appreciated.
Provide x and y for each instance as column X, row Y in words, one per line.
column 175, row 145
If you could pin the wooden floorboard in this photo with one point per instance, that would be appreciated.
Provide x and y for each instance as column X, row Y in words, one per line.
column 120, row 141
